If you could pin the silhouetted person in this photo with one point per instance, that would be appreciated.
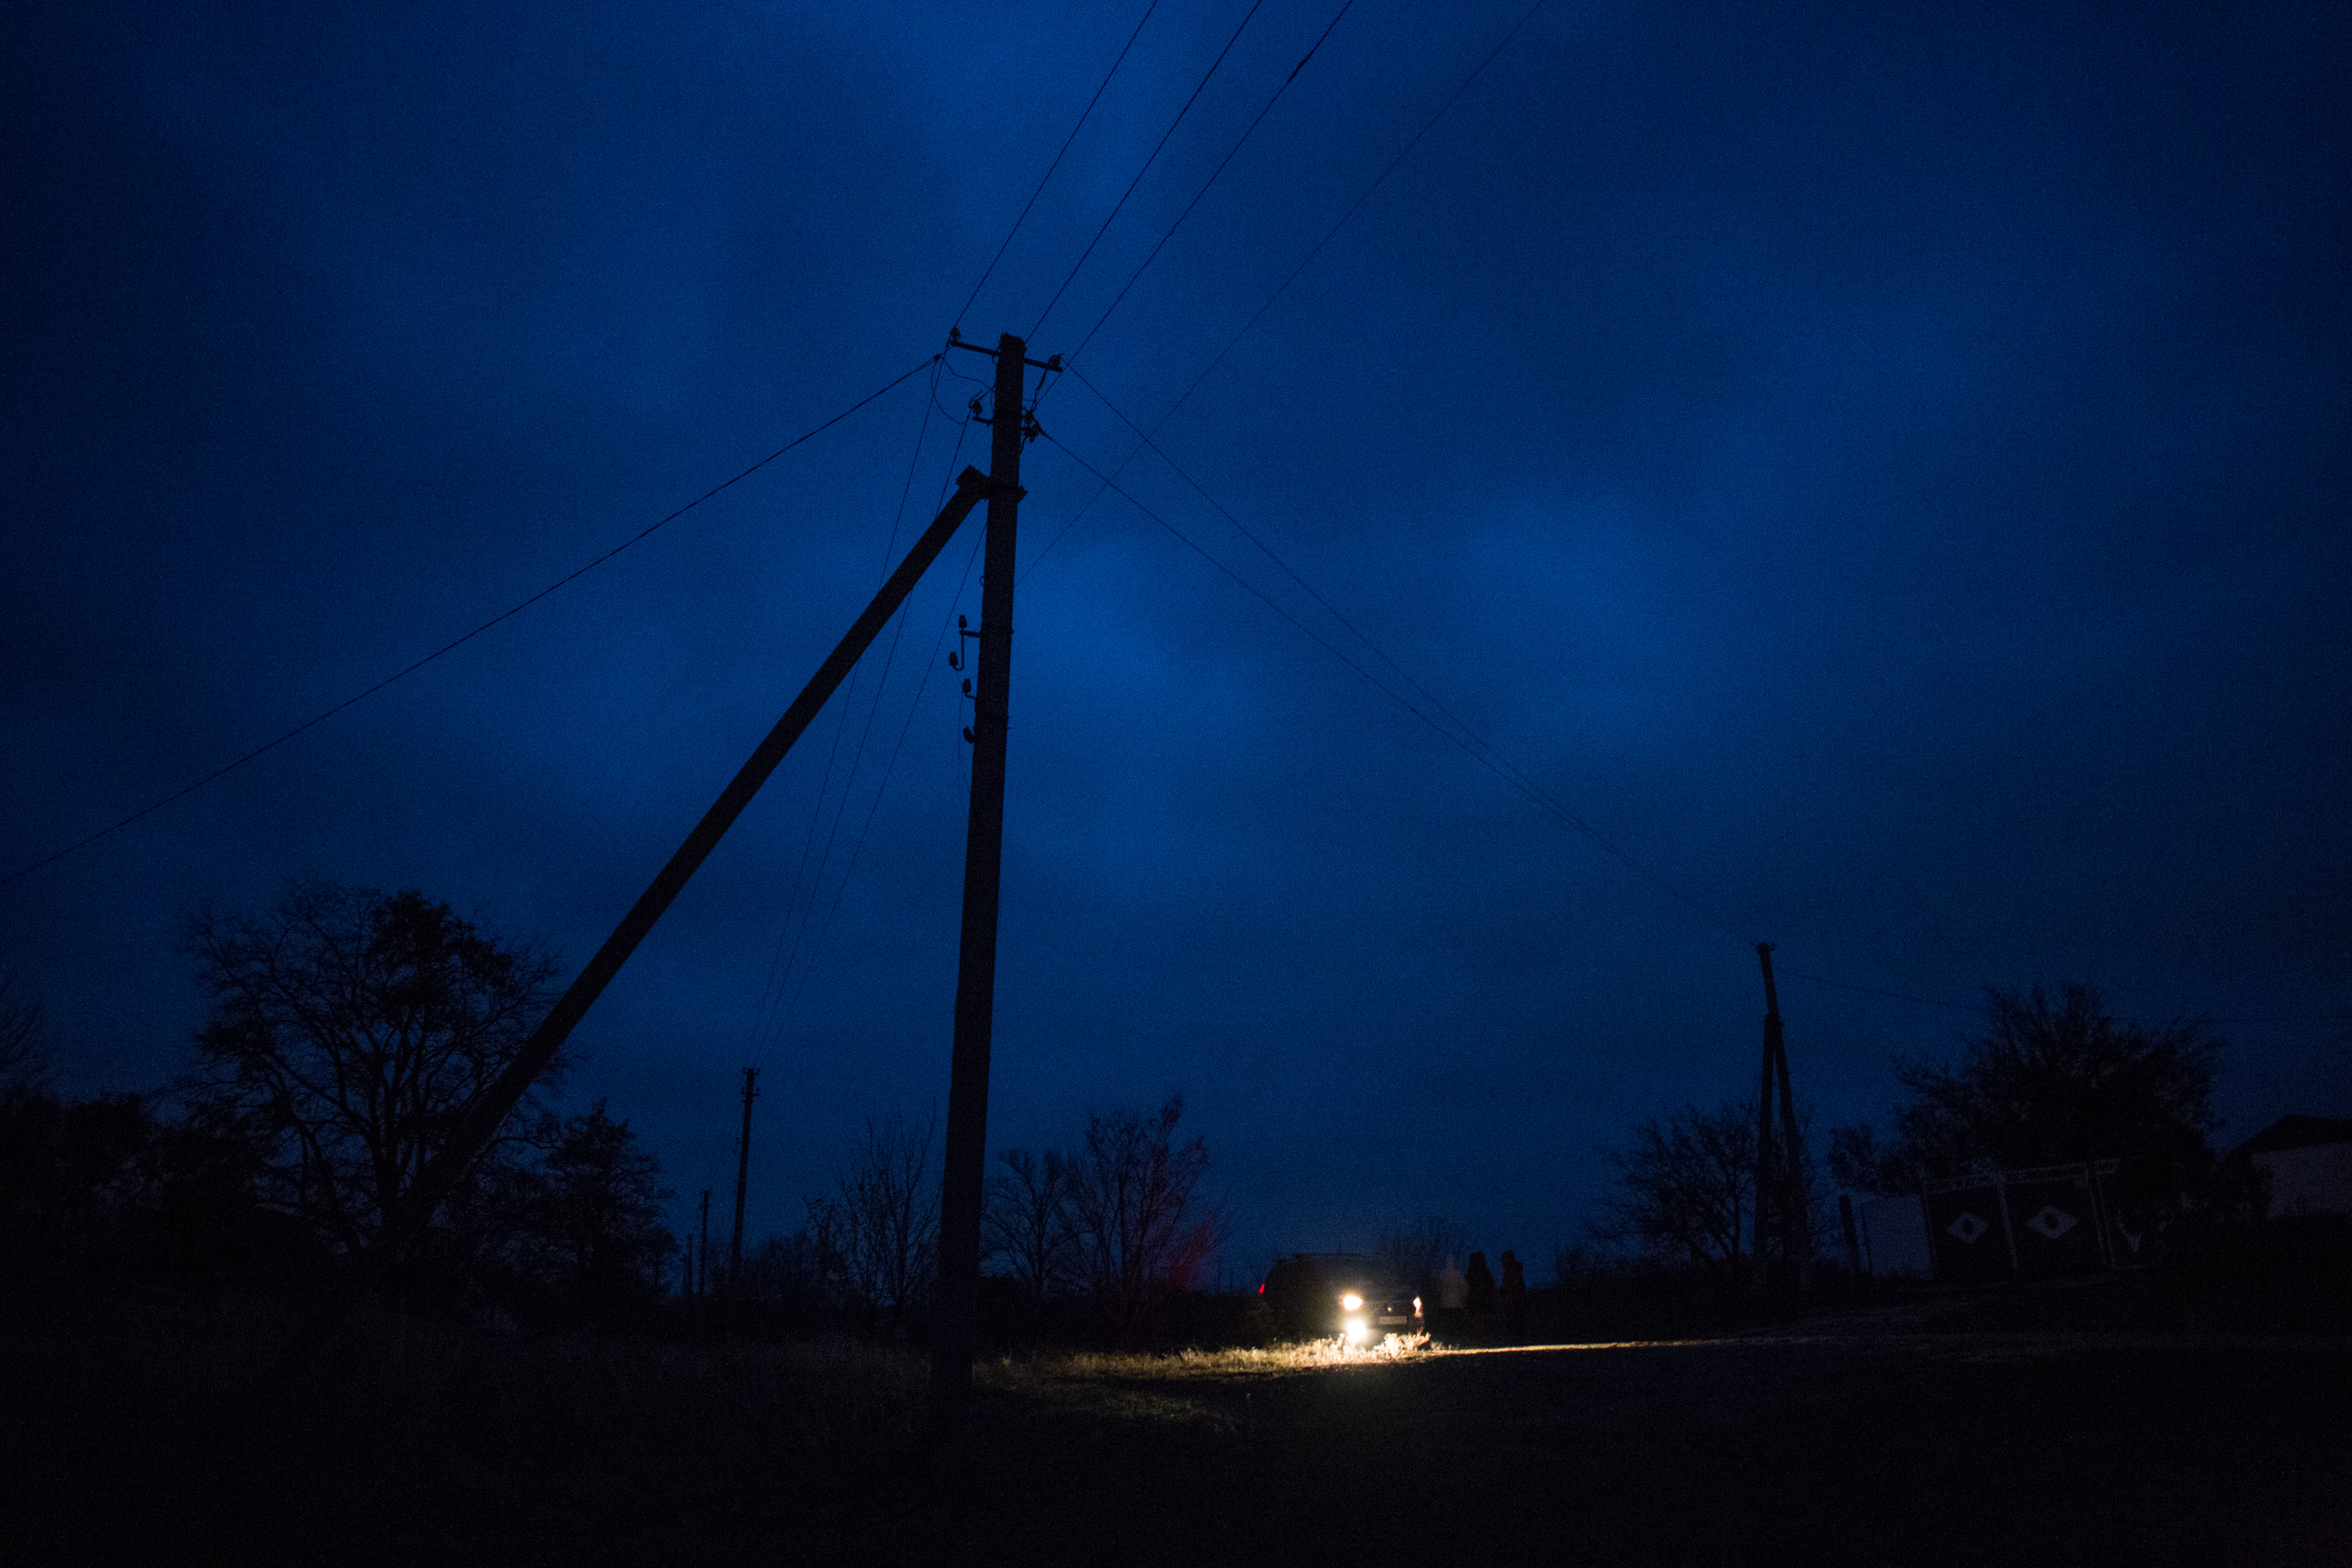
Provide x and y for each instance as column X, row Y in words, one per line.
column 1453, row 1296
column 1480, row 1281
column 1514, row 1294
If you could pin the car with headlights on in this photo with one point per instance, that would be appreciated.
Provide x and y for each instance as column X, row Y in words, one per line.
column 1340, row 1295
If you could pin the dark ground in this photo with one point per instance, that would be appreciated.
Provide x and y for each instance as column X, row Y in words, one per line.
column 2102, row 1420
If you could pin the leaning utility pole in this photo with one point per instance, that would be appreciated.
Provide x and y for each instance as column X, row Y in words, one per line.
column 1780, row 1182
column 963, row 1172
column 407, row 1217
column 742, row 1177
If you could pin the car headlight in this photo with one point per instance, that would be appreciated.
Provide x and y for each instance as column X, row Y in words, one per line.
column 1352, row 1302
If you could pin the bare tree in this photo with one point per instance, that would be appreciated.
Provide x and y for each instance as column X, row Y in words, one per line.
column 785, row 1274
column 23, row 1062
column 2052, row 1081
column 1144, row 1228
column 1028, row 1219
column 351, row 1029
column 593, row 1209
column 1685, row 1187
column 2058, row 1079
column 1415, row 1254
column 1860, row 1163
column 1682, row 1185
column 879, row 1228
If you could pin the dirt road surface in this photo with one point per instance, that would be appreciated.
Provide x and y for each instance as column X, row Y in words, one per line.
column 1862, row 1439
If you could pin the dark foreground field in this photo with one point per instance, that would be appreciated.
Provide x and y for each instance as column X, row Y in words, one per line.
column 1881, row 1437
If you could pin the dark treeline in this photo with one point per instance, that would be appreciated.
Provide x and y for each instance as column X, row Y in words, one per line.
column 2051, row 1079
column 351, row 1029
column 1105, row 1241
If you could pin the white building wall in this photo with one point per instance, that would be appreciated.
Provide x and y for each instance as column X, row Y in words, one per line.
column 2315, row 1180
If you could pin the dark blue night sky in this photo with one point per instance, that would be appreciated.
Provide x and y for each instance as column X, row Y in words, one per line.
column 1883, row 470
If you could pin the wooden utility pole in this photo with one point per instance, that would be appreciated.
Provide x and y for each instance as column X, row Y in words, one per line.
column 703, row 1252
column 1853, row 1241
column 743, row 1177
column 1767, row 1186
column 1780, row 1175
column 965, row 1164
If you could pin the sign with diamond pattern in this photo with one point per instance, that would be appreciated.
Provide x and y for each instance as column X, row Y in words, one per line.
column 2056, row 1216
column 1964, row 1229
column 2038, row 1221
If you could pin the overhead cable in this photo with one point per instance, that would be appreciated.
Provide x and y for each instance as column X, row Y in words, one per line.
column 1212, row 180
column 1056, row 163
column 777, row 1014
column 788, row 941
column 1981, row 1007
column 1121, row 202
column 456, row 643
column 1378, row 180
column 1267, row 551
column 1465, row 745
column 857, row 845
column 1282, row 288
column 1490, row 756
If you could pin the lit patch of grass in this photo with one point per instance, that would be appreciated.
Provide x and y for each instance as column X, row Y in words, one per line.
column 1061, row 1367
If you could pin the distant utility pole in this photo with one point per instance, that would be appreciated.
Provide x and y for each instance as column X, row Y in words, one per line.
column 703, row 1252
column 963, row 1171
column 1779, row 1175
column 743, row 1175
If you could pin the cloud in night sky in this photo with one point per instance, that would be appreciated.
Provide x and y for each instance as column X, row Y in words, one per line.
column 1881, row 472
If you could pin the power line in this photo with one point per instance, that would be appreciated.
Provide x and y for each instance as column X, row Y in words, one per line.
column 1484, row 751
column 1282, row 288
column 805, row 950
column 1056, row 163
column 457, row 643
column 2143, row 1023
column 1146, row 169
column 1469, row 738
column 1378, row 180
column 1262, row 113
column 780, row 1005
column 1267, row 551
column 1492, row 758
column 1890, row 996
column 780, row 996
column 1493, row 764
column 841, row 888
column 788, row 941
